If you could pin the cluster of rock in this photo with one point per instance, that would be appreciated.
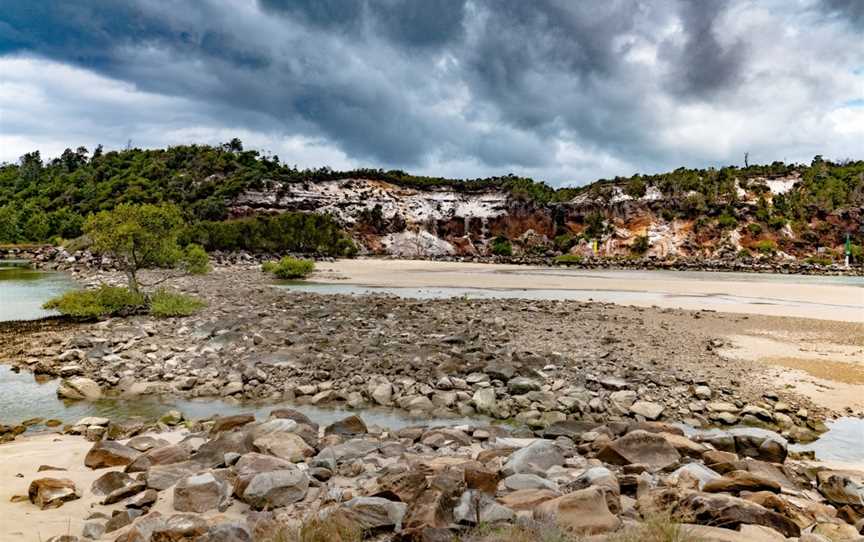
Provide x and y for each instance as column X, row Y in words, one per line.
column 235, row 479
column 537, row 362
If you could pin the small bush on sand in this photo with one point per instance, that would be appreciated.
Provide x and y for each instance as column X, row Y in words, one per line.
column 195, row 260
column 165, row 304
column 97, row 303
column 289, row 268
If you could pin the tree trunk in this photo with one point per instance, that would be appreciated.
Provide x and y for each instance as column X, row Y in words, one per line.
column 132, row 280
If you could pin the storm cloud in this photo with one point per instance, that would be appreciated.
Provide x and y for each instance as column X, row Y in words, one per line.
column 560, row 90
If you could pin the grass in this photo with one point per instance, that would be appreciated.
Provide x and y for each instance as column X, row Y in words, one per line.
column 289, row 268
column 97, row 303
column 313, row 529
column 532, row 531
column 568, row 259
column 118, row 301
column 165, row 304
column 660, row 527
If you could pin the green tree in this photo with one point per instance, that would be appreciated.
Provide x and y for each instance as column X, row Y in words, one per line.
column 137, row 237
column 9, row 232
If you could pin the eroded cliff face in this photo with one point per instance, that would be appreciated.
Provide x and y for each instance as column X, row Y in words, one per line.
column 389, row 219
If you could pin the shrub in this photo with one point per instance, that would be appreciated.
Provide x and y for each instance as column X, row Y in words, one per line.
column 195, row 260
column 776, row 222
column 766, row 246
column 501, row 246
column 289, row 268
column 531, row 531
column 754, row 229
column 727, row 221
column 640, row 244
column 569, row 259
column 165, row 304
column 661, row 527
column 819, row 260
column 635, row 188
column 565, row 241
column 100, row 302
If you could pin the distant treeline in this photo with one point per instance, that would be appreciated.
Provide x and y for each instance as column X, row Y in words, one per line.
column 43, row 200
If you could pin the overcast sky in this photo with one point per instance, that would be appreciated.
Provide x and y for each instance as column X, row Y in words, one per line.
column 566, row 91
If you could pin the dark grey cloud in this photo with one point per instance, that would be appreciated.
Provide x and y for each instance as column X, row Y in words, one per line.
column 849, row 10
column 495, row 84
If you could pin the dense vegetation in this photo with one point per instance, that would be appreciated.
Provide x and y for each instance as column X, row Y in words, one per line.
column 118, row 301
column 43, row 200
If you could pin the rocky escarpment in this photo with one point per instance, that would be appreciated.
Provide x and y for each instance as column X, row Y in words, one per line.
column 455, row 220
column 286, row 478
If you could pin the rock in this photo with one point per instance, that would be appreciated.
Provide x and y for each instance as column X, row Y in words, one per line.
column 370, row 513
column 695, row 471
column 142, row 528
column 350, row 426
column 356, row 448
column 93, row 530
column 227, row 532
column 536, row 458
column 484, row 401
column 144, row 443
column 382, row 393
column 145, row 499
column 479, row 508
column 714, row 509
column 759, row 444
column 521, row 385
column 171, row 418
column 528, row 481
column 647, row 409
column 115, row 486
column 622, row 400
column 110, row 454
column 52, row 492
column 93, row 420
column 166, row 455
column 121, row 519
column 840, row 489
column 582, row 512
column 286, row 446
column 227, row 423
column 78, row 388
column 276, row 488
column 702, row 392
column 527, row 499
column 161, row 477
column 200, row 493
column 119, row 430
column 640, row 447
column 499, row 371
column 738, row 481
column 181, row 527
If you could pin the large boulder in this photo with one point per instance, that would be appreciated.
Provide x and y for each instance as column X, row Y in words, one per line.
column 371, row 513
column 286, row 446
column 740, row 480
column 79, row 388
column 274, row 489
column 52, row 492
column 200, row 493
column 108, row 453
column 583, row 512
column 536, row 458
column 476, row 507
column 840, row 489
column 350, row 426
column 731, row 512
column 760, row 444
column 640, row 447
column 165, row 455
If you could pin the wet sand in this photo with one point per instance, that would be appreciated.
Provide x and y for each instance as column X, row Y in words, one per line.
column 803, row 297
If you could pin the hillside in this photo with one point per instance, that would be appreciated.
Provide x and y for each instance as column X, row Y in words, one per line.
column 780, row 211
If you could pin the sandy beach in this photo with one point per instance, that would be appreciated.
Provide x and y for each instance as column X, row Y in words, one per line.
column 772, row 295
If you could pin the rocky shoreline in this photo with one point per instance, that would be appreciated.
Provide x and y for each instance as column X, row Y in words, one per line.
column 586, row 396
column 55, row 258
column 287, row 479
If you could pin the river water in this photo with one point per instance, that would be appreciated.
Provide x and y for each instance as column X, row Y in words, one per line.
column 22, row 396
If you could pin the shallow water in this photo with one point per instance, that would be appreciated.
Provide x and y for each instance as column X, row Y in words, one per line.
column 844, row 441
column 23, row 397
column 23, row 290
